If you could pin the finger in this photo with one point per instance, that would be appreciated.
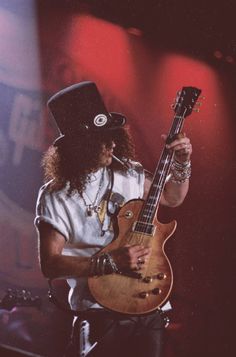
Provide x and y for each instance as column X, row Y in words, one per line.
column 180, row 135
column 144, row 253
column 141, row 254
column 138, row 264
column 141, row 260
column 138, row 248
column 182, row 146
column 131, row 249
column 183, row 149
column 136, row 267
column 178, row 142
column 139, row 257
column 175, row 137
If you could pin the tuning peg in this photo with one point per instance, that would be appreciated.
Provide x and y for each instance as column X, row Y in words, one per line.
column 198, row 104
column 196, row 110
column 202, row 97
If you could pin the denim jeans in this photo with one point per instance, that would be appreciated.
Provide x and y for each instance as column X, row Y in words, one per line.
column 114, row 335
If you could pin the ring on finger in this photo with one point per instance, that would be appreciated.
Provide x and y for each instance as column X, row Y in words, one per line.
column 140, row 261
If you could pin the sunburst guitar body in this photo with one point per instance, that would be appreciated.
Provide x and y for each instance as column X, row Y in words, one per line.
column 143, row 292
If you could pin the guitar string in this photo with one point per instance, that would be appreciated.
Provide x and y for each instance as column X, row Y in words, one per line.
column 149, row 212
column 157, row 192
column 166, row 161
column 159, row 187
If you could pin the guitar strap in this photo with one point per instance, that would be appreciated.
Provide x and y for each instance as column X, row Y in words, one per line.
column 109, row 193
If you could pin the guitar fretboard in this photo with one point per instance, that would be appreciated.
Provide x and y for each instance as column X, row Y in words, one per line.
column 183, row 108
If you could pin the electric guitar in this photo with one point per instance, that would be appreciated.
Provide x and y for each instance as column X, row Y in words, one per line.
column 141, row 293
column 16, row 298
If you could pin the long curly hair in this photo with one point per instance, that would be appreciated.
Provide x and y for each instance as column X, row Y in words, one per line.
column 71, row 161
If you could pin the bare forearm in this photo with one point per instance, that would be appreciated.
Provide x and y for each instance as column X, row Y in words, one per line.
column 61, row 266
column 174, row 193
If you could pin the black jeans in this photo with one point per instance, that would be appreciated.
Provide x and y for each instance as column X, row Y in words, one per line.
column 119, row 335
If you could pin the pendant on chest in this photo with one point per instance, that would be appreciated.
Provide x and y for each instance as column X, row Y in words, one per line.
column 92, row 209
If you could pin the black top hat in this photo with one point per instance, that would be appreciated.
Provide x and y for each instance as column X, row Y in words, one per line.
column 80, row 108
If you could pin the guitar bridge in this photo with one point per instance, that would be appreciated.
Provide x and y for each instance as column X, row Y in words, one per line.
column 144, row 228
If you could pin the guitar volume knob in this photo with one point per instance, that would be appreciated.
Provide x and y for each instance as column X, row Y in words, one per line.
column 148, row 279
column 161, row 276
column 143, row 294
column 156, row 291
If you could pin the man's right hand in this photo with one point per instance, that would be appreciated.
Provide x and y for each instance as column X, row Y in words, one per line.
column 130, row 257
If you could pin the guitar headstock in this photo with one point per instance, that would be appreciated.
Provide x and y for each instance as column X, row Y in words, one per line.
column 185, row 101
column 15, row 297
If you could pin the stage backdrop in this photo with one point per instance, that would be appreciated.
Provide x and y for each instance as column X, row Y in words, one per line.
column 42, row 53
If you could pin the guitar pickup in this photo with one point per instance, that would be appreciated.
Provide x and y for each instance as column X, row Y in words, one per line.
column 144, row 228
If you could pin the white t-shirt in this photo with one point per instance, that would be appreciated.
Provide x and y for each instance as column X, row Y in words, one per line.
column 85, row 235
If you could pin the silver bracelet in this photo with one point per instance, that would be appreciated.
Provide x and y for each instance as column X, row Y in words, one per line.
column 112, row 263
column 180, row 172
column 102, row 264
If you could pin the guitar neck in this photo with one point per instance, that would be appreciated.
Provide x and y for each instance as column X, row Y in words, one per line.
column 153, row 199
column 183, row 107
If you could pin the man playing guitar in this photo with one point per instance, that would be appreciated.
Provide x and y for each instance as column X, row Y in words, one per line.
column 91, row 173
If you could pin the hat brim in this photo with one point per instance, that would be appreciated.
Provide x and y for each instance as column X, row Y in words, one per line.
column 117, row 121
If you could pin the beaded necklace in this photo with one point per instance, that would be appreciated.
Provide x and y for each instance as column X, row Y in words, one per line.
column 93, row 206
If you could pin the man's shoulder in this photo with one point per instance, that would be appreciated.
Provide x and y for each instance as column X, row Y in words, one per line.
column 47, row 190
